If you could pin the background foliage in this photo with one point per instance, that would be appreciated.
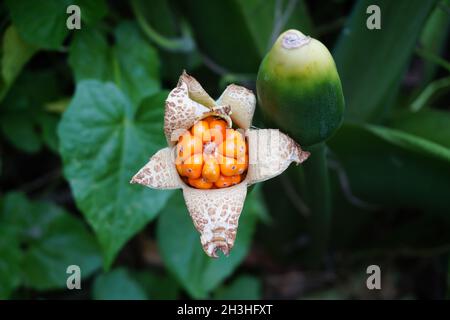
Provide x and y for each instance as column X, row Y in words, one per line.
column 82, row 110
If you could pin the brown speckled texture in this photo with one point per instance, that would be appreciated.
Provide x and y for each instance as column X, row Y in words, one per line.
column 196, row 91
column 180, row 112
column 270, row 153
column 242, row 102
column 159, row 172
column 215, row 214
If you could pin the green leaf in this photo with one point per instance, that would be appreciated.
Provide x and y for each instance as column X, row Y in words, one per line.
column 90, row 56
column 405, row 232
column 132, row 63
column 260, row 20
column 65, row 242
column 238, row 47
column 29, row 133
column 372, row 62
column 157, row 286
column 21, row 132
column 259, row 203
column 49, row 124
column 434, row 37
column 43, row 23
column 411, row 143
column 10, row 262
column 104, row 141
column 242, row 288
column 51, row 240
column 15, row 54
column 429, row 124
column 285, row 198
column 431, row 92
column 180, row 247
column 388, row 167
column 138, row 63
column 117, row 285
column 23, row 120
column 221, row 34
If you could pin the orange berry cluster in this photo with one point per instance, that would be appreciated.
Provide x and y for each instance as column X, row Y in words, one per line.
column 210, row 155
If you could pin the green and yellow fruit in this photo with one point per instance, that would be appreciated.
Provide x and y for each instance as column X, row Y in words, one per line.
column 299, row 88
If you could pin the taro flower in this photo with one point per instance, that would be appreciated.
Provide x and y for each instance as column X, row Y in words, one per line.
column 215, row 212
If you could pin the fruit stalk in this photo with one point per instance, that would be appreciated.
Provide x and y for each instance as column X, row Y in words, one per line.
column 300, row 90
column 318, row 198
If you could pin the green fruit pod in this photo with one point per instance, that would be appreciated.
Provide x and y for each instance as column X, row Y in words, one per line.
column 299, row 88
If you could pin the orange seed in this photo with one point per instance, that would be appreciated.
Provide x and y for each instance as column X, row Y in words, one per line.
column 188, row 145
column 217, row 129
column 201, row 130
column 200, row 183
column 192, row 166
column 224, row 182
column 211, row 170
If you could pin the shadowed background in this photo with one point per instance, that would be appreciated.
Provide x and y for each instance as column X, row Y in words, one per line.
column 82, row 110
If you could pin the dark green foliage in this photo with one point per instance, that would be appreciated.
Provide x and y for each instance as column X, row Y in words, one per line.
column 39, row 241
column 82, row 110
column 371, row 62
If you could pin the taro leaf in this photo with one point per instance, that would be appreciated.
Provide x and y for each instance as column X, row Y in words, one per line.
column 242, row 288
column 117, row 284
column 157, row 286
column 181, row 250
column 15, row 54
column 43, row 23
column 50, row 240
column 104, row 140
column 388, row 167
column 132, row 63
column 371, row 62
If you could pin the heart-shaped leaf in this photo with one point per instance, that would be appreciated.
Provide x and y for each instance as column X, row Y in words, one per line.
column 23, row 120
column 15, row 54
column 244, row 287
column 12, row 256
column 157, row 286
column 104, row 140
column 131, row 63
column 117, row 285
column 43, row 23
column 41, row 240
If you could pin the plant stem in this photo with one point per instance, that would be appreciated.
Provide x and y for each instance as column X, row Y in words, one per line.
column 318, row 197
column 183, row 44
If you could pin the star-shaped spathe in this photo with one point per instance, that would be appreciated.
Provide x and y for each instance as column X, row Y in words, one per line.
column 215, row 212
